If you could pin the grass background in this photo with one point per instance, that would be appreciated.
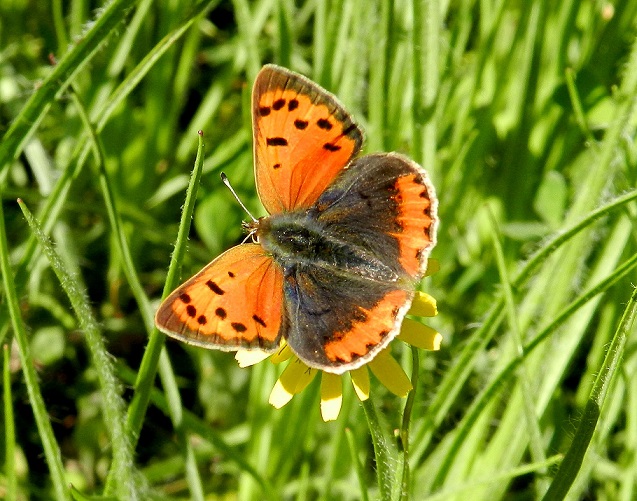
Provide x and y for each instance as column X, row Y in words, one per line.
column 522, row 112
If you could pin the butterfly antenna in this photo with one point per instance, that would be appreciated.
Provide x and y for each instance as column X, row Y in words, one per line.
column 225, row 180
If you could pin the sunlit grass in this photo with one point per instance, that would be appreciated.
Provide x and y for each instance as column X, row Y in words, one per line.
column 524, row 115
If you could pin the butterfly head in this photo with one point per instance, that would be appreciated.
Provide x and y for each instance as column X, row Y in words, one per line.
column 252, row 228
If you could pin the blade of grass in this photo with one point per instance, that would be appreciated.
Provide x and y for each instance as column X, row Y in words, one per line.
column 148, row 367
column 467, row 490
column 9, row 428
column 166, row 372
column 456, row 377
column 426, row 50
column 487, row 394
column 532, row 421
column 51, row 450
column 378, row 78
column 153, row 351
column 404, row 429
column 113, row 407
column 358, row 467
column 285, row 33
column 114, row 219
column 605, row 376
column 175, row 408
column 248, row 32
column 60, row 77
column 384, row 452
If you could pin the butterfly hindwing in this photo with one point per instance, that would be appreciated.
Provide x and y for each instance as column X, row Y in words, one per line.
column 234, row 302
column 303, row 138
column 378, row 224
column 338, row 322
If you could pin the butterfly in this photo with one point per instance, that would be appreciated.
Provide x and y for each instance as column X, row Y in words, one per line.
column 333, row 269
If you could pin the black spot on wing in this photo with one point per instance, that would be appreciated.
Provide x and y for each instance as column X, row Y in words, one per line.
column 324, row 124
column 293, row 104
column 278, row 104
column 191, row 311
column 201, row 320
column 276, row 141
column 239, row 327
column 264, row 111
column 259, row 320
column 215, row 288
column 301, row 124
column 350, row 129
column 221, row 313
column 331, row 147
column 185, row 298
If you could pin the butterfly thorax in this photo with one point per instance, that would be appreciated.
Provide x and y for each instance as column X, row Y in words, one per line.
column 297, row 239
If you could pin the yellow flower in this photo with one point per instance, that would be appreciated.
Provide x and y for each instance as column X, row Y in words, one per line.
column 297, row 376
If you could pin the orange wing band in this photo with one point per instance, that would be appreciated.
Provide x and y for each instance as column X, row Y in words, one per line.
column 368, row 336
column 234, row 302
column 416, row 221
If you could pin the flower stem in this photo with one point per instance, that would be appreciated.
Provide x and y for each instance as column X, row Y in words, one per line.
column 404, row 430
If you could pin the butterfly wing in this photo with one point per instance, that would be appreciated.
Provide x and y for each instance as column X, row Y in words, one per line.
column 385, row 205
column 338, row 322
column 303, row 138
column 381, row 212
column 234, row 302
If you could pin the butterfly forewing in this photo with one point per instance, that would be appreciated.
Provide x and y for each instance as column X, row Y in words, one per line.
column 234, row 302
column 303, row 138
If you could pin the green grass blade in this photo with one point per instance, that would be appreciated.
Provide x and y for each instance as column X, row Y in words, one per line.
column 59, row 79
column 148, row 367
column 360, row 473
column 113, row 407
column 532, row 419
column 385, row 453
column 480, row 403
column 607, row 373
column 115, row 220
column 9, row 428
column 51, row 450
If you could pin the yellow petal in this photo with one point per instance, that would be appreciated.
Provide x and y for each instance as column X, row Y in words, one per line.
column 420, row 335
column 293, row 380
column 360, row 380
column 282, row 354
column 246, row 358
column 331, row 396
column 390, row 374
column 433, row 266
column 423, row 305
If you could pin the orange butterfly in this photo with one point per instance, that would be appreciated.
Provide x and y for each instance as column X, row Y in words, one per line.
column 333, row 269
